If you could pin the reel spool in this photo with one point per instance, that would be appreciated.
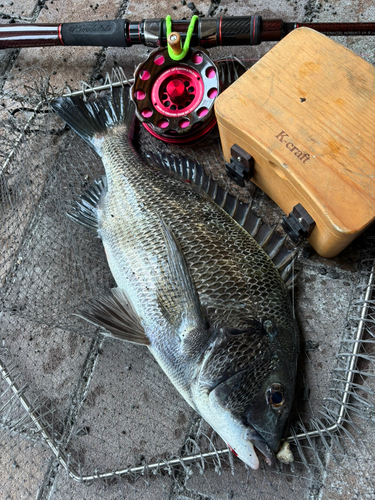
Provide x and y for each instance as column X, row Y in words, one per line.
column 175, row 99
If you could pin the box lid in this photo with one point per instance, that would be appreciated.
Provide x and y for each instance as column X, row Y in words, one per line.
column 308, row 106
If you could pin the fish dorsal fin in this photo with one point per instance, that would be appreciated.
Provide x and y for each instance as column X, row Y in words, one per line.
column 190, row 170
column 179, row 303
column 84, row 212
column 115, row 314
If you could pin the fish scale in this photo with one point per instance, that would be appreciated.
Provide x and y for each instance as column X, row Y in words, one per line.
column 192, row 285
column 234, row 260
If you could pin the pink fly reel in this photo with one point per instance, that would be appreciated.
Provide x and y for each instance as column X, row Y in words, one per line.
column 175, row 99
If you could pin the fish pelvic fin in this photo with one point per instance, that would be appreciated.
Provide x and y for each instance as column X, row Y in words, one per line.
column 179, row 304
column 93, row 120
column 273, row 244
column 84, row 212
column 115, row 314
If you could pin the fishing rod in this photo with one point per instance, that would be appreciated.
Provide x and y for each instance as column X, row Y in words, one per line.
column 173, row 101
column 207, row 32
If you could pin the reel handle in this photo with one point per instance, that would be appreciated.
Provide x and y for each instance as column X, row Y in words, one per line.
column 208, row 32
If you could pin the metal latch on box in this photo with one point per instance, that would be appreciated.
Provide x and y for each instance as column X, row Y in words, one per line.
column 241, row 166
column 298, row 224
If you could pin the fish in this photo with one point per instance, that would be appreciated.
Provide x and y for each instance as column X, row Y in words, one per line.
column 192, row 284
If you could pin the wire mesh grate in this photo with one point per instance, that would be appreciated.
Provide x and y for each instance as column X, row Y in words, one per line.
column 104, row 410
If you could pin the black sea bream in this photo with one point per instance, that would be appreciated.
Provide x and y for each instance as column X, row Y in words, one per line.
column 192, row 285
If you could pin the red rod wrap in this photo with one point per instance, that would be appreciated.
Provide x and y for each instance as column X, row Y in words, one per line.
column 29, row 35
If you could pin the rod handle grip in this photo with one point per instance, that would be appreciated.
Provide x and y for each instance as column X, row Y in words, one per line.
column 111, row 33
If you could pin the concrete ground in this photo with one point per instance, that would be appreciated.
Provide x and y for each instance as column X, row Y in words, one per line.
column 108, row 404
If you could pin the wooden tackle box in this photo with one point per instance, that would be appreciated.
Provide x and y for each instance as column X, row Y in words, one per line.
column 306, row 113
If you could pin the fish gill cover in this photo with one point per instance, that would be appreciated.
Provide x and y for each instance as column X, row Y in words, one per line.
column 75, row 406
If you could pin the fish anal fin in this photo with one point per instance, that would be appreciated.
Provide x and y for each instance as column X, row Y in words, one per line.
column 84, row 212
column 114, row 313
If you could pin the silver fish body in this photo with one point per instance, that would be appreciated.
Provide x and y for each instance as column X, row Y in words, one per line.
column 208, row 301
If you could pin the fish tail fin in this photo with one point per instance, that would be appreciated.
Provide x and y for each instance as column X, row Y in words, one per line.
column 94, row 120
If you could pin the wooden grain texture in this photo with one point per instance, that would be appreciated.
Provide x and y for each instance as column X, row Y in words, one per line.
column 306, row 112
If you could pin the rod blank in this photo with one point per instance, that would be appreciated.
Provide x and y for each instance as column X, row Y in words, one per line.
column 208, row 32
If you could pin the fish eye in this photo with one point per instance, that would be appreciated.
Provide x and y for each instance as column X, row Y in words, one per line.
column 275, row 396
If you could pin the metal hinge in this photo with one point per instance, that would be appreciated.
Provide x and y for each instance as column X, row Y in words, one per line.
column 241, row 166
column 298, row 224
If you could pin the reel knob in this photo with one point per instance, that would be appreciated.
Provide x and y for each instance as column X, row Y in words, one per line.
column 176, row 91
column 175, row 99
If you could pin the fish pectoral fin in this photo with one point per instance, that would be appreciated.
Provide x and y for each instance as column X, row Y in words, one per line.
column 84, row 213
column 177, row 295
column 115, row 314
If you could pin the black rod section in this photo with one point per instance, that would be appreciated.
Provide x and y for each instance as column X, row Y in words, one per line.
column 95, row 33
column 208, row 32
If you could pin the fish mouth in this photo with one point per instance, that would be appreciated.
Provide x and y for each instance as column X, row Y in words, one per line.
column 257, row 443
column 260, row 444
column 255, row 446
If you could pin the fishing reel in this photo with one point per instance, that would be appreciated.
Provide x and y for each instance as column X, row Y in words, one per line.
column 175, row 99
